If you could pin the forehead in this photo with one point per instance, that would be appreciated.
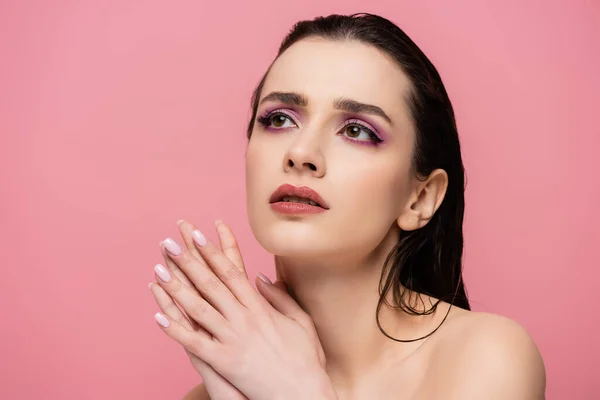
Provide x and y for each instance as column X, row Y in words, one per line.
column 325, row 69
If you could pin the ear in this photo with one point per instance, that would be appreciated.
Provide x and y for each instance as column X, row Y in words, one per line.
column 424, row 201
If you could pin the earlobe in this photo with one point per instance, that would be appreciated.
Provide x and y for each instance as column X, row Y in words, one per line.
column 425, row 201
column 408, row 221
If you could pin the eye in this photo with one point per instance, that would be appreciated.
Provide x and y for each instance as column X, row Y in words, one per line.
column 355, row 130
column 276, row 120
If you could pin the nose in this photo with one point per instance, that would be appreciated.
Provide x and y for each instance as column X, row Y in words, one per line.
column 305, row 156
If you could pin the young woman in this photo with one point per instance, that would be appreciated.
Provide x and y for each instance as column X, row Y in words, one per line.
column 355, row 184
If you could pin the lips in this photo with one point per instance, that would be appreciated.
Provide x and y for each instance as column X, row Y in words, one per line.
column 288, row 192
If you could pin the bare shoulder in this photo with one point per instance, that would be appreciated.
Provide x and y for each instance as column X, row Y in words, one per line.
column 490, row 356
column 197, row 393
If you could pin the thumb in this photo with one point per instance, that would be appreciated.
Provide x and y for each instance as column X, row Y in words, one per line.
column 277, row 295
column 281, row 285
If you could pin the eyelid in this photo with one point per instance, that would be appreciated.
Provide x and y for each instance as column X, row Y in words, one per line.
column 364, row 125
column 348, row 120
column 286, row 111
column 360, row 122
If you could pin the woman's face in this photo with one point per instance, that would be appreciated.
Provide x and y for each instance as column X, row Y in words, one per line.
column 356, row 158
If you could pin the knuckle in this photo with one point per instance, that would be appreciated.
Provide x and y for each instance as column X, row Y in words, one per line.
column 248, row 321
column 264, row 307
column 188, row 260
column 210, row 284
column 306, row 321
column 199, row 308
column 210, row 251
column 231, row 273
column 172, row 311
column 243, row 321
column 253, row 323
column 176, row 286
column 232, row 243
column 181, row 319
column 196, row 348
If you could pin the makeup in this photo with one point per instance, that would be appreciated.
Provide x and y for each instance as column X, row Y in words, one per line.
column 289, row 199
column 375, row 138
column 296, row 208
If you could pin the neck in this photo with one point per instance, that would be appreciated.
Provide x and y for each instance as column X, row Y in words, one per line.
column 342, row 297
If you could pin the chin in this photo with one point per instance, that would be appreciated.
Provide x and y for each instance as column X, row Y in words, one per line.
column 289, row 238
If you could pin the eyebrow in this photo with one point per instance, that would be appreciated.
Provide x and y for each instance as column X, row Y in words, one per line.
column 344, row 104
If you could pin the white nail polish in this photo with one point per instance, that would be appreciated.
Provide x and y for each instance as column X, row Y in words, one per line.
column 199, row 238
column 161, row 319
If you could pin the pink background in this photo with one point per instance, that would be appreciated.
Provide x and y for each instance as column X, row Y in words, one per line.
column 117, row 118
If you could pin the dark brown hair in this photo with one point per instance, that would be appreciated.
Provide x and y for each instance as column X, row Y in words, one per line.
column 427, row 260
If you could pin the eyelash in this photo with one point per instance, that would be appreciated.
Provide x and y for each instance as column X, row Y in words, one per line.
column 265, row 122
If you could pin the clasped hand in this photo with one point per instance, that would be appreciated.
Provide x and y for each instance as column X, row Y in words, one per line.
column 244, row 343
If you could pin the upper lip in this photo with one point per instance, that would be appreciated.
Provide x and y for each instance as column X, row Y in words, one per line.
column 301, row 191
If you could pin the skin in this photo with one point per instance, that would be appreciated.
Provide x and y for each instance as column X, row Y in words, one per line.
column 261, row 344
column 331, row 262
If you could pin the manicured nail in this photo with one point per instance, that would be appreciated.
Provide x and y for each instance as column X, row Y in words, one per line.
column 217, row 222
column 172, row 246
column 161, row 319
column 199, row 238
column 162, row 273
column 179, row 222
column 264, row 279
column 150, row 285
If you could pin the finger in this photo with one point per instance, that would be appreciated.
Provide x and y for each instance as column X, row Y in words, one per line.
column 200, row 346
column 215, row 382
column 186, row 228
column 229, row 274
column 277, row 295
column 183, row 277
column 281, row 285
column 193, row 305
column 168, row 307
column 282, row 301
column 229, row 245
column 175, row 269
column 227, row 241
column 204, row 279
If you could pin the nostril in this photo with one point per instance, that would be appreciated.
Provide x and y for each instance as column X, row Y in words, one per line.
column 312, row 166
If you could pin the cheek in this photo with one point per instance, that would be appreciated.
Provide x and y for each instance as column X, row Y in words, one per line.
column 253, row 189
column 261, row 162
column 254, row 168
column 376, row 204
column 371, row 198
column 374, row 188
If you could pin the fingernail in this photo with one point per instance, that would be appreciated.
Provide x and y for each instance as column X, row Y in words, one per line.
column 161, row 319
column 172, row 246
column 217, row 222
column 199, row 238
column 150, row 285
column 179, row 222
column 162, row 273
column 264, row 279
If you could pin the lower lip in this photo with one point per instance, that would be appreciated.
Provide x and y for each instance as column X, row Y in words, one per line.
column 288, row 207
